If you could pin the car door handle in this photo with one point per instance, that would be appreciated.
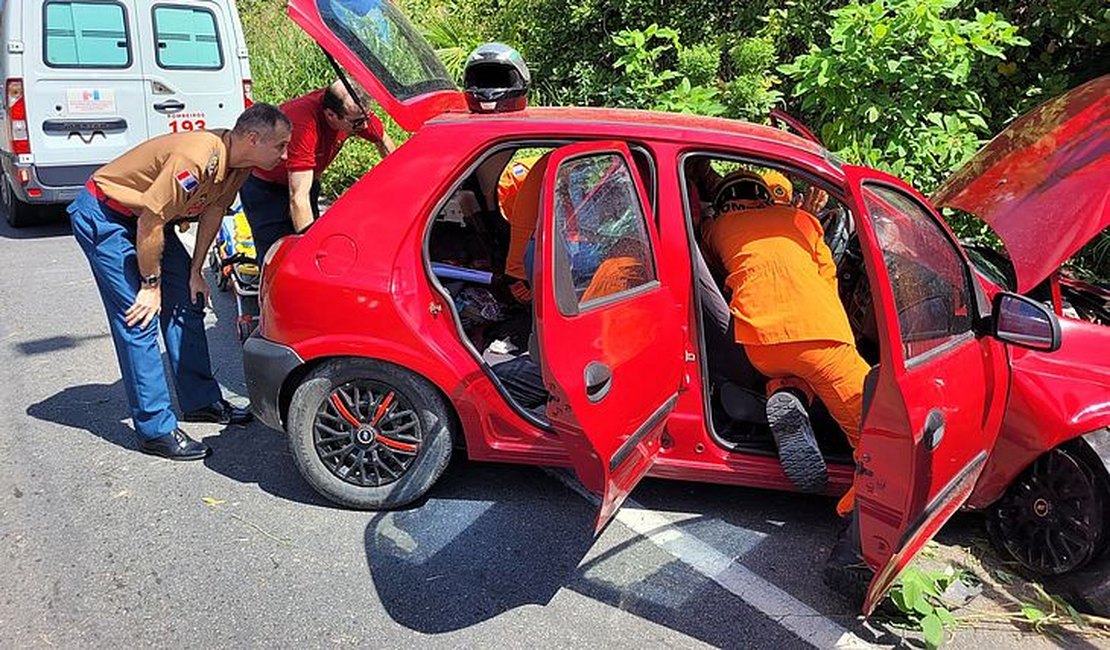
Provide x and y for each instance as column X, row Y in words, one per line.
column 169, row 106
column 934, row 429
column 599, row 379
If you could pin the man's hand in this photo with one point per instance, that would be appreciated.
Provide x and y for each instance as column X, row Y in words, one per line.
column 146, row 306
column 815, row 199
column 198, row 286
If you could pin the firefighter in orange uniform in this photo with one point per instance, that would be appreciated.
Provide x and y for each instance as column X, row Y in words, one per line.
column 788, row 317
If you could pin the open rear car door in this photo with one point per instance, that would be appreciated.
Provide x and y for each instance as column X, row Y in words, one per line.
column 609, row 332
column 933, row 406
column 385, row 54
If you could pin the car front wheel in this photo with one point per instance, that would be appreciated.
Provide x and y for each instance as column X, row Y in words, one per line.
column 369, row 435
column 1053, row 521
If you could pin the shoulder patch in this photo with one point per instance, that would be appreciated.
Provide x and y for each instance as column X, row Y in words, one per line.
column 187, row 181
column 519, row 170
column 213, row 163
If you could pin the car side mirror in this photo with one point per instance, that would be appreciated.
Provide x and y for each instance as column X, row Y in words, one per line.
column 1024, row 322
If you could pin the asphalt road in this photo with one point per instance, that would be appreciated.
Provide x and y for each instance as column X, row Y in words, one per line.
column 101, row 546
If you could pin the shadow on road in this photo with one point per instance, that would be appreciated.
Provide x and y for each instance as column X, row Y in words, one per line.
column 54, row 224
column 250, row 454
column 489, row 538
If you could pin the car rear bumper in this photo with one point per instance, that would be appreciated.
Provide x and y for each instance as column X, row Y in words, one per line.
column 266, row 365
column 55, row 184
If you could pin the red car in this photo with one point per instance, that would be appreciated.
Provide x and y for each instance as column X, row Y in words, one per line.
column 378, row 354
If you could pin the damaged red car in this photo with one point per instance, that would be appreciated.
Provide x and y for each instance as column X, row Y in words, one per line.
column 384, row 342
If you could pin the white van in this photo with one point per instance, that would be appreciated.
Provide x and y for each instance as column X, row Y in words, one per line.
column 86, row 80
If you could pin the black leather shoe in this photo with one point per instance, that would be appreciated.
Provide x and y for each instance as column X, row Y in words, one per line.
column 221, row 412
column 175, row 446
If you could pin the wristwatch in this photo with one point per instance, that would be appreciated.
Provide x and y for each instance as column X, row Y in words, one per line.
column 151, row 280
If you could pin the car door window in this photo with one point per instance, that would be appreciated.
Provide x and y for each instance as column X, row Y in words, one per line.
column 929, row 277
column 186, row 38
column 601, row 228
column 85, row 35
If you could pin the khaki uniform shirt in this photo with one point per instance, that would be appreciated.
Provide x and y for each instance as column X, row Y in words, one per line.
column 177, row 176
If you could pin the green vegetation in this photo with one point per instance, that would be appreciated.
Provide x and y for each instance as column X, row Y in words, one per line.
column 910, row 86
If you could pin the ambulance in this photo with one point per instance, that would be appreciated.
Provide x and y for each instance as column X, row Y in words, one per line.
column 86, row 80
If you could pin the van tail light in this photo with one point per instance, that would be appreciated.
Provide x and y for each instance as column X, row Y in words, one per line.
column 248, row 93
column 17, row 117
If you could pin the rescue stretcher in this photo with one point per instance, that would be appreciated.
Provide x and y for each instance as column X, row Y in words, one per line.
column 233, row 261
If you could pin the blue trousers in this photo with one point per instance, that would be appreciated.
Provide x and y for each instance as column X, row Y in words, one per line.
column 108, row 240
column 266, row 205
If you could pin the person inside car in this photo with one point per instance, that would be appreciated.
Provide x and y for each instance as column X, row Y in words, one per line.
column 788, row 316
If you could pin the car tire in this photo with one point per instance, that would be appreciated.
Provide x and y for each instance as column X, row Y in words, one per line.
column 1054, row 521
column 18, row 213
column 337, row 459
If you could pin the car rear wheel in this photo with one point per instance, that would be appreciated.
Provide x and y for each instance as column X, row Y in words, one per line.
column 18, row 213
column 368, row 434
column 1052, row 518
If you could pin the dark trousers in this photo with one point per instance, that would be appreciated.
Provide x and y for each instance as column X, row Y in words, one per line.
column 108, row 240
column 267, row 207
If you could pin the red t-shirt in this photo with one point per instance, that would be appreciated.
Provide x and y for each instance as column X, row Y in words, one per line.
column 314, row 144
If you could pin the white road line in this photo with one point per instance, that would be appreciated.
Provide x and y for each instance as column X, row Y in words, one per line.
column 800, row 619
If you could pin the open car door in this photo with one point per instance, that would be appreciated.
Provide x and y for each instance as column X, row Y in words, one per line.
column 609, row 332
column 933, row 406
column 374, row 41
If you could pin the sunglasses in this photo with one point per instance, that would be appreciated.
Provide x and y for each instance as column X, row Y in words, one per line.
column 356, row 122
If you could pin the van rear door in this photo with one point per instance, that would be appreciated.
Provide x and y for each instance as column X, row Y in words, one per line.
column 193, row 67
column 83, row 86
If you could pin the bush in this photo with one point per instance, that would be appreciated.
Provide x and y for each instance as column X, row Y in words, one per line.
column 893, row 88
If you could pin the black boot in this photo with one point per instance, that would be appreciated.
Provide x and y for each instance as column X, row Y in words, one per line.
column 799, row 454
column 221, row 412
column 845, row 571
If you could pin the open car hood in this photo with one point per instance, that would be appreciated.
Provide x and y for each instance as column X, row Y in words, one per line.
column 1043, row 184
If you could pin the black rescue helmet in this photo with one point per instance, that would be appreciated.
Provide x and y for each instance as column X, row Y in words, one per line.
column 741, row 185
column 496, row 79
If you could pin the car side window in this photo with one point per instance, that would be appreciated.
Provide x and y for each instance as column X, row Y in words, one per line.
column 929, row 277
column 85, row 35
column 601, row 228
column 186, row 38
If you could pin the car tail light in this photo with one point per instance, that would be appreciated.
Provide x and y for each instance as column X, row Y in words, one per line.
column 248, row 93
column 17, row 117
column 34, row 193
column 24, row 175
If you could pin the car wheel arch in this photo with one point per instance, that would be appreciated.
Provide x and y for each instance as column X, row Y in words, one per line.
column 297, row 376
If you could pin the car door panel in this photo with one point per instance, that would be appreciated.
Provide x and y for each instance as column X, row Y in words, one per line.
column 940, row 387
column 608, row 330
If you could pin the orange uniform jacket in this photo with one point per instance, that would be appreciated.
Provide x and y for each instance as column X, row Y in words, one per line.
column 519, row 195
column 781, row 275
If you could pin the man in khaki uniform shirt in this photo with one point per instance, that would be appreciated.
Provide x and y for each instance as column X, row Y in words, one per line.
column 123, row 221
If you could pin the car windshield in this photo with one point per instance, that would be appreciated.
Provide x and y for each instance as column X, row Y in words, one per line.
column 380, row 35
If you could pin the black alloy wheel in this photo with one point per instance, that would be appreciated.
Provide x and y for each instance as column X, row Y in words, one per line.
column 1051, row 518
column 367, row 433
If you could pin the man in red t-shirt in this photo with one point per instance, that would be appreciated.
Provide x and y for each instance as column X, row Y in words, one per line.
column 284, row 200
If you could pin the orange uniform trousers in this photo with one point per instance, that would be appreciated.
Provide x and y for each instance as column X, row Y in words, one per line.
column 834, row 371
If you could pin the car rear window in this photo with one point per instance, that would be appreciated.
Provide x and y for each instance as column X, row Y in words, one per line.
column 86, row 35
column 186, row 38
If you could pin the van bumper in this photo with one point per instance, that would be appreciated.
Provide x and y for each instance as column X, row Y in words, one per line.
column 55, row 183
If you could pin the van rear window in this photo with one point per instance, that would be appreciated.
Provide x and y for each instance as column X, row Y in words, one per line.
column 186, row 38
column 86, row 35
